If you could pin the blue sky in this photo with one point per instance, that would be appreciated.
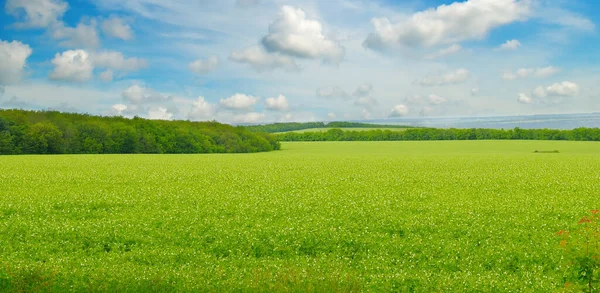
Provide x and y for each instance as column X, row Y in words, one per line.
column 247, row 61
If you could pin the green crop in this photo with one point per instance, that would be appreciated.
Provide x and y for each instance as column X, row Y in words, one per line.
column 329, row 216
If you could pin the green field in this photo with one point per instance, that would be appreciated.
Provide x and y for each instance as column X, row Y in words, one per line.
column 329, row 216
column 345, row 129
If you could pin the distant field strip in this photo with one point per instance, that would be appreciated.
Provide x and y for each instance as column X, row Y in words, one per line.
column 436, row 216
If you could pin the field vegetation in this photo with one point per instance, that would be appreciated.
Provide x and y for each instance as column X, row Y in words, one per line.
column 441, row 216
column 407, row 134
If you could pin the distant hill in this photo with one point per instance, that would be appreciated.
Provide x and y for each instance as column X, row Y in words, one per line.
column 297, row 126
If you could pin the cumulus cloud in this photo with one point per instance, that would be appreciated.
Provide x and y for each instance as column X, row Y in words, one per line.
column 331, row 92
column 106, row 75
column 293, row 34
column 399, row 111
column 118, row 109
column 72, row 65
column 201, row 110
column 83, row 35
column 137, row 94
column 524, row 99
column 453, row 49
column 530, row 72
column 539, row 92
column 455, row 77
column 280, row 103
column 78, row 65
column 252, row 117
column 36, row 13
column 116, row 61
column 564, row 89
column 447, row 24
column 510, row 45
column 239, row 102
column 561, row 89
column 331, row 115
column 159, row 113
column 264, row 61
column 116, row 27
column 202, row 66
column 13, row 57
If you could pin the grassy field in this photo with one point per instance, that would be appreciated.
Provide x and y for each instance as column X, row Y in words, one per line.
column 330, row 216
column 345, row 129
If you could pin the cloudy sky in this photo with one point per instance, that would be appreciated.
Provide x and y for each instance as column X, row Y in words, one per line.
column 246, row 61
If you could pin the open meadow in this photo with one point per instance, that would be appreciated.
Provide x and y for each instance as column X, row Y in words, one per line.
column 329, row 216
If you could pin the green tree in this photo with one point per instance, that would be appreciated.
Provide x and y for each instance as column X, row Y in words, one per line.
column 44, row 138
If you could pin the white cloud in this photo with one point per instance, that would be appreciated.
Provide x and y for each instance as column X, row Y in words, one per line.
column 252, row 117
column 562, row 89
column 531, row 72
column 36, row 13
column 277, row 104
column 295, row 35
column 263, row 61
column 239, row 102
column 474, row 91
column 159, row 113
column 202, row 66
column 447, row 24
column 72, row 65
column 545, row 71
column 137, row 95
column 118, row 109
column 78, row 65
column 331, row 92
column 367, row 102
column 331, row 115
column 510, row 45
column 565, row 18
column 453, row 49
column 106, row 75
column 201, row 110
column 117, row 28
column 431, row 99
column 399, row 111
column 83, row 35
column 436, row 100
column 13, row 57
column 539, row 92
column 363, row 90
column 116, row 61
column 524, row 99
column 455, row 77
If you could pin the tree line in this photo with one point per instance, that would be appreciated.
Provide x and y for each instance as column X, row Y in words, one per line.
column 578, row 134
column 293, row 126
column 52, row 132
